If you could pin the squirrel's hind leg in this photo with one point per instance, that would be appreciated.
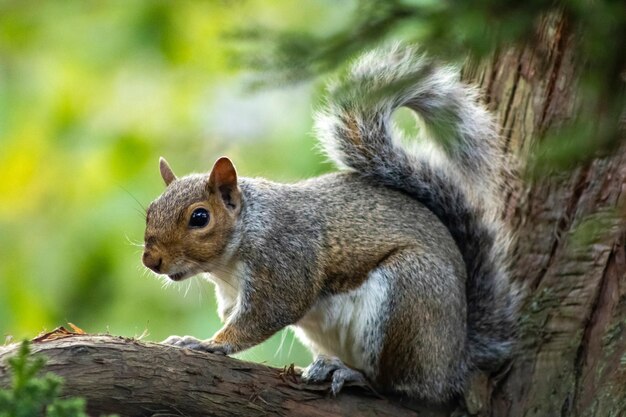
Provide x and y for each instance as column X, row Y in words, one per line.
column 331, row 368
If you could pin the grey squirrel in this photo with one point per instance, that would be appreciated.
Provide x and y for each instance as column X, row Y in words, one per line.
column 392, row 270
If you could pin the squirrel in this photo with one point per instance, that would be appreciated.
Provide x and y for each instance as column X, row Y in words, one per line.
column 392, row 271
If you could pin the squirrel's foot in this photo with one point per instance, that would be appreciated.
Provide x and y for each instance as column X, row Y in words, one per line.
column 324, row 366
column 192, row 343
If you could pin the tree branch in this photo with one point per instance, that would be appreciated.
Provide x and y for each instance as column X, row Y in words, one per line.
column 130, row 377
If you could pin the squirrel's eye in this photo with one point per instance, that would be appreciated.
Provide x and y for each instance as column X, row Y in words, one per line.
column 199, row 218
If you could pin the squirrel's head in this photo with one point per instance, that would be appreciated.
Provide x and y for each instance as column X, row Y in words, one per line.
column 190, row 224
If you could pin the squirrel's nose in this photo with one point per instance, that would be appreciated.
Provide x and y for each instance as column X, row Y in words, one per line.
column 152, row 263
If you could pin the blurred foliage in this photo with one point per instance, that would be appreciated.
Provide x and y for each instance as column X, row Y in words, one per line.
column 92, row 93
column 456, row 29
column 32, row 395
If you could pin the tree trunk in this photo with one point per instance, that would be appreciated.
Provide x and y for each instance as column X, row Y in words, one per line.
column 570, row 244
column 571, row 359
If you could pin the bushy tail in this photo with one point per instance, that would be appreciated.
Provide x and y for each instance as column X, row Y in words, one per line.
column 461, row 187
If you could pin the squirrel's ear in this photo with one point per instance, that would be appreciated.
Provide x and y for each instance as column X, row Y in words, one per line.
column 166, row 172
column 223, row 180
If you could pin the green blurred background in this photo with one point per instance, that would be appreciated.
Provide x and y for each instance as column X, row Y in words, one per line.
column 91, row 94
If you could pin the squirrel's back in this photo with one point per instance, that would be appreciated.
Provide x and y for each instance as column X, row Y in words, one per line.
column 356, row 220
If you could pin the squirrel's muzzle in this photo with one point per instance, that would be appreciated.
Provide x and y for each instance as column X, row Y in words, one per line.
column 152, row 262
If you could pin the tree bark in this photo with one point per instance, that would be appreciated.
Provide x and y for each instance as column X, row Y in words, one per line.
column 132, row 378
column 570, row 253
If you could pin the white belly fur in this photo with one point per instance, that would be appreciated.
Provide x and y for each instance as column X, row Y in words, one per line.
column 227, row 285
column 348, row 325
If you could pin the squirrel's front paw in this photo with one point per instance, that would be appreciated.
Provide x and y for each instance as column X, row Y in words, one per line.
column 192, row 343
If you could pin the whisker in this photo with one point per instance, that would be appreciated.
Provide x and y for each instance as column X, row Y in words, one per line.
column 142, row 214
column 133, row 243
column 293, row 340
column 166, row 284
column 143, row 208
column 200, row 288
column 187, row 290
column 283, row 335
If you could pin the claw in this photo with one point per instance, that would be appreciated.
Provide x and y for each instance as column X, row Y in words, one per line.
column 327, row 367
column 185, row 341
column 321, row 368
column 190, row 342
column 343, row 375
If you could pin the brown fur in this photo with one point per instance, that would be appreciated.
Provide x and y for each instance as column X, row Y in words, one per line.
column 353, row 131
column 167, row 236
